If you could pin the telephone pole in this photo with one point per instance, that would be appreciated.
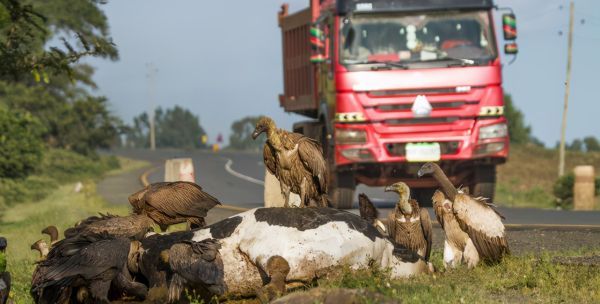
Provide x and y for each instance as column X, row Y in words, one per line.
column 561, row 156
column 151, row 86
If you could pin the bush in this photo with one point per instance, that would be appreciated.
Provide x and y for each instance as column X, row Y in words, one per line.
column 20, row 143
column 68, row 166
column 563, row 190
column 34, row 188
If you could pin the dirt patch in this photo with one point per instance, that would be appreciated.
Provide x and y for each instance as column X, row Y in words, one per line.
column 579, row 261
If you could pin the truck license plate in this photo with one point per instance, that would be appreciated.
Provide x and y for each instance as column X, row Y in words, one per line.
column 422, row 152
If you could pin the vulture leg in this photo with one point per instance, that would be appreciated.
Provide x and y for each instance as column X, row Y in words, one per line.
column 303, row 201
column 471, row 256
column 285, row 191
column 277, row 269
column 452, row 255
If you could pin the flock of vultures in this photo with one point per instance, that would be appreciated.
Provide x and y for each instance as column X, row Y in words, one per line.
column 262, row 252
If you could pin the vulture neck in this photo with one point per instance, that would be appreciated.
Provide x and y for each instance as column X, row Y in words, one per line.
column 447, row 186
column 405, row 206
column 274, row 139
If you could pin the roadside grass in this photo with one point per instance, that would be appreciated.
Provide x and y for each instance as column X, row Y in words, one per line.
column 22, row 223
column 526, row 180
column 517, row 279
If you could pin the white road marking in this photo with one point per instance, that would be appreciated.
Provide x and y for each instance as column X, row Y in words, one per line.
column 240, row 175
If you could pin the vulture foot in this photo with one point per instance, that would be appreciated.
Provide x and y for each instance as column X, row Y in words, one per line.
column 277, row 269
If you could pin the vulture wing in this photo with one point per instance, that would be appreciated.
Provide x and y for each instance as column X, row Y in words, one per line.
column 136, row 199
column 181, row 199
column 367, row 209
column 197, row 262
column 311, row 155
column 269, row 159
column 483, row 225
column 122, row 226
column 86, row 256
column 427, row 231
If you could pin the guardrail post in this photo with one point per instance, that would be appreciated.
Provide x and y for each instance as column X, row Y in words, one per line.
column 179, row 169
column 583, row 188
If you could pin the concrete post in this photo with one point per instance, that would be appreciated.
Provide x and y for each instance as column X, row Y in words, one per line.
column 272, row 194
column 583, row 188
column 179, row 169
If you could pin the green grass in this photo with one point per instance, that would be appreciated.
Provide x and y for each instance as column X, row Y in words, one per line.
column 527, row 178
column 21, row 224
column 522, row 279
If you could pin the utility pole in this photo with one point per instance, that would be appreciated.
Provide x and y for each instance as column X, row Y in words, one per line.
column 561, row 156
column 151, row 86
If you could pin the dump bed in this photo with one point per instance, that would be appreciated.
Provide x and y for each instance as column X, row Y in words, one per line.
column 299, row 83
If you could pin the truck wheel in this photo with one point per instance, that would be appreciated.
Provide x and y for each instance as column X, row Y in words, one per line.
column 484, row 182
column 342, row 191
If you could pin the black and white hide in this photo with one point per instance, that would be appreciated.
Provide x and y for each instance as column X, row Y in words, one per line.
column 312, row 241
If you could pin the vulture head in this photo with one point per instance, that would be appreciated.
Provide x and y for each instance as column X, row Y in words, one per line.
column 3, row 244
column 264, row 124
column 42, row 247
column 428, row 168
column 404, row 192
column 52, row 231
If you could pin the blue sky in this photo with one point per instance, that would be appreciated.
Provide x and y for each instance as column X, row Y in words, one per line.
column 222, row 60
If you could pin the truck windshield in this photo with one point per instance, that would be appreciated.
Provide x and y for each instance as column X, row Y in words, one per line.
column 450, row 37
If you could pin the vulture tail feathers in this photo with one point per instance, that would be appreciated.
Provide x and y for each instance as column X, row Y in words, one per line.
column 366, row 208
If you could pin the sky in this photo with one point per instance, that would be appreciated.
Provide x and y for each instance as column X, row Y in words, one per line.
column 222, row 61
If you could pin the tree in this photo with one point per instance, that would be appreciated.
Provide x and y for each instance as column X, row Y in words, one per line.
column 175, row 128
column 519, row 132
column 576, row 145
column 241, row 134
column 591, row 144
column 20, row 143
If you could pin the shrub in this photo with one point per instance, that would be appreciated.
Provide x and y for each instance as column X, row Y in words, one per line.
column 20, row 143
column 563, row 190
column 33, row 188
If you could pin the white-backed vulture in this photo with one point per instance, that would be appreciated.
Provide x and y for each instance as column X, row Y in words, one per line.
column 297, row 162
column 51, row 231
column 133, row 226
column 196, row 266
column 458, row 246
column 475, row 216
column 42, row 247
column 370, row 214
column 408, row 224
column 170, row 203
column 89, row 261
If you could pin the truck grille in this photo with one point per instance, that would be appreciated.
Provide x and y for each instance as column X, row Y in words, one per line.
column 414, row 92
column 446, row 148
column 424, row 120
column 434, row 105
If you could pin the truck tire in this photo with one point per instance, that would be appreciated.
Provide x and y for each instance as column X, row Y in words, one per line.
column 341, row 191
column 484, row 182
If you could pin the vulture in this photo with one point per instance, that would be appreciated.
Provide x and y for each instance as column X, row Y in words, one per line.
column 296, row 161
column 458, row 247
column 477, row 218
column 87, row 264
column 134, row 226
column 51, row 231
column 42, row 247
column 369, row 213
column 5, row 280
column 408, row 224
column 258, row 246
column 195, row 266
column 170, row 203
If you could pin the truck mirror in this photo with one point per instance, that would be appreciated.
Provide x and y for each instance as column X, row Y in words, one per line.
column 318, row 45
column 509, row 26
column 511, row 48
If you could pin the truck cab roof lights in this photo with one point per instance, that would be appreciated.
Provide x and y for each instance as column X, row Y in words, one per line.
column 491, row 111
column 350, row 117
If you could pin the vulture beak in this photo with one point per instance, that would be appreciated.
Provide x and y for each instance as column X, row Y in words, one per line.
column 257, row 131
column 389, row 189
column 420, row 173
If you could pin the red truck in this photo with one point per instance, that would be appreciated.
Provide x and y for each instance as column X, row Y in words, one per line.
column 392, row 84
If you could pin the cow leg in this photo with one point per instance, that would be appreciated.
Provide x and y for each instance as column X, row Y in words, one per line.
column 277, row 269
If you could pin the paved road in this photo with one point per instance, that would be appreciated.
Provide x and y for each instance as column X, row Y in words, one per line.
column 241, row 185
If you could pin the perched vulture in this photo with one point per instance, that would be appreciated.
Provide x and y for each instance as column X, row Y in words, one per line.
column 260, row 242
column 369, row 213
column 42, row 247
column 133, row 226
column 458, row 247
column 5, row 280
column 51, row 231
column 88, row 264
column 297, row 162
column 195, row 264
column 408, row 224
column 476, row 217
column 170, row 203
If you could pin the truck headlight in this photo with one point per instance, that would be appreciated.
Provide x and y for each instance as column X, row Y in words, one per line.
column 350, row 136
column 493, row 131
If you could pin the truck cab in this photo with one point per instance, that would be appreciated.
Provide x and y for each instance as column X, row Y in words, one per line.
column 390, row 85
